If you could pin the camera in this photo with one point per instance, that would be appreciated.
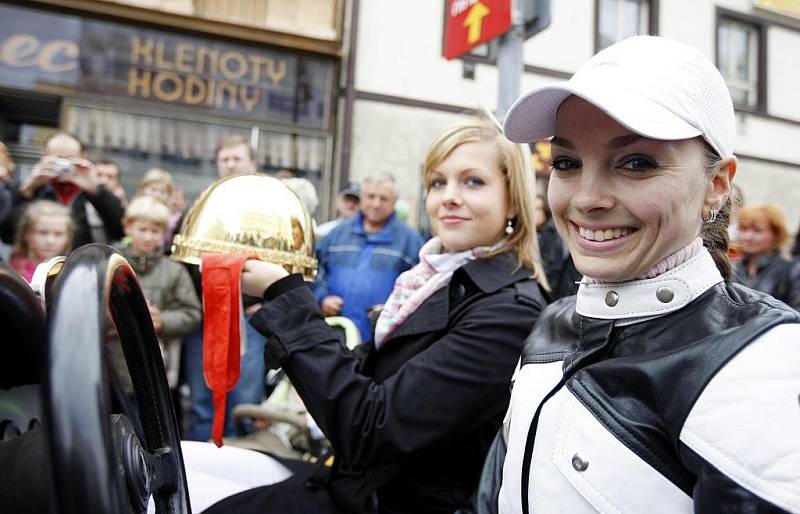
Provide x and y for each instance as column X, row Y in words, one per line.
column 63, row 166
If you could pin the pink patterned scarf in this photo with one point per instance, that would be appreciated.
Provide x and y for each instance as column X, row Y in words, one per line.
column 434, row 271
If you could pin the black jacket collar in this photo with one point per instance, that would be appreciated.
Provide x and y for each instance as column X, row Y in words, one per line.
column 495, row 273
column 488, row 275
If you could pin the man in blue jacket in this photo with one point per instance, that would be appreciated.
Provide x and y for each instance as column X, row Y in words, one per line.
column 360, row 259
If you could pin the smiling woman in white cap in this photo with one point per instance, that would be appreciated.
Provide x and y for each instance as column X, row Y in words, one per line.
column 661, row 386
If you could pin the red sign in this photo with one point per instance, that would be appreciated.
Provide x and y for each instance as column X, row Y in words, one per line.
column 470, row 23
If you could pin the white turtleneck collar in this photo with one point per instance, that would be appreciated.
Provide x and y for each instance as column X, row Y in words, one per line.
column 637, row 300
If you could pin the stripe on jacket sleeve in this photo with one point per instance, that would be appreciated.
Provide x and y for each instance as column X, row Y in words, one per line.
column 746, row 422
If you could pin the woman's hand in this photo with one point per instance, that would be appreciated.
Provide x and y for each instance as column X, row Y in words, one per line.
column 257, row 276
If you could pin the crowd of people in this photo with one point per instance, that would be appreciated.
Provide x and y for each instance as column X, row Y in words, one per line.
column 651, row 361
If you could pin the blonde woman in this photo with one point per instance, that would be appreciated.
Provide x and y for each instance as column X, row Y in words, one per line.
column 411, row 414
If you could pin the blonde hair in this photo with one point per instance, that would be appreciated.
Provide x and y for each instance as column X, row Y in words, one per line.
column 146, row 208
column 32, row 213
column 156, row 176
column 772, row 214
column 515, row 164
column 6, row 160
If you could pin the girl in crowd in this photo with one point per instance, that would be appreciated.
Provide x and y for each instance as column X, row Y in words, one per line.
column 156, row 183
column 410, row 415
column 762, row 233
column 45, row 231
column 661, row 386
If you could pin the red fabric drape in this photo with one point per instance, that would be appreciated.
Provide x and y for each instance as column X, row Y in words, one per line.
column 222, row 301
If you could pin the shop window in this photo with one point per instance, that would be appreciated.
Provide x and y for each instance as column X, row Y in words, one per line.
column 739, row 60
column 620, row 19
column 185, row 147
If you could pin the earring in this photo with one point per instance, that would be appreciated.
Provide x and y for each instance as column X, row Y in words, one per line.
column 713, row 214
column 509, row 228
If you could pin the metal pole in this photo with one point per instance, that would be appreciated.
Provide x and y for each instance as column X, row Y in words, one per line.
column 509, row 62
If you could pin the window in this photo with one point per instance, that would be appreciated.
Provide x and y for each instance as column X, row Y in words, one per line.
column 619, row 19
column 139, row 139
column 738, row 59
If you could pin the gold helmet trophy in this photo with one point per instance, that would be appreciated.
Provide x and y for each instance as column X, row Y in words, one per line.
column 236, row 218
column 249, row 215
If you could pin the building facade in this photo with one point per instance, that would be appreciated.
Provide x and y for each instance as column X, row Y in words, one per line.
column 404, row 92
column 158, row 83
column 337, row 89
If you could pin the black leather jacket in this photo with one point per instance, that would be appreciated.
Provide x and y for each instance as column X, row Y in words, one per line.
column 775, row 276
column 634, row 411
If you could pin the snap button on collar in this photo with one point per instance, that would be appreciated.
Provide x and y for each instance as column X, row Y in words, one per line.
column 665, row 294
column 579, row 463
column 612, row 298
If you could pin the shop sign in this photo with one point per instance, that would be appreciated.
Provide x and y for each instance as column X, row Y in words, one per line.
column 63, row 53
column 469, row 23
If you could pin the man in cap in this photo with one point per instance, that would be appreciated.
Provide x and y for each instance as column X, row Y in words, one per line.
column 347, row 202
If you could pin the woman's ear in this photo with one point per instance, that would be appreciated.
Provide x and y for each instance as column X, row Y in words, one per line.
column 719, row 185
column 511, row 213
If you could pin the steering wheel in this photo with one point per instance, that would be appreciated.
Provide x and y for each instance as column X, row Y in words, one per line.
column 104, row 460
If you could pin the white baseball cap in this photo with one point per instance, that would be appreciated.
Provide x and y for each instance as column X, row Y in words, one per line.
column 655, row 87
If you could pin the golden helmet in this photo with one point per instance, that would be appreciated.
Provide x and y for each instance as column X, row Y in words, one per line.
column 249, row 215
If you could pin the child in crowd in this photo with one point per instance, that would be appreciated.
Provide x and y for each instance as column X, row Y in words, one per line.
column 173, row 303
column 44, row 231
column 156, row 183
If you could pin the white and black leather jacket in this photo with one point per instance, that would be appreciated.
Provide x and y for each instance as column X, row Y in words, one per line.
column 674, row 394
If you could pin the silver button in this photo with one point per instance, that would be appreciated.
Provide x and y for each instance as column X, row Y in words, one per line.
column 664, row 294
column 612, row 298
column 579, row 463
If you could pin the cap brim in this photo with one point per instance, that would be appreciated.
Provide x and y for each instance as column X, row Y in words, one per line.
column 533, row 116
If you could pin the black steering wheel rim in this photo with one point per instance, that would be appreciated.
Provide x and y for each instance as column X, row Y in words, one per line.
column 99, row 462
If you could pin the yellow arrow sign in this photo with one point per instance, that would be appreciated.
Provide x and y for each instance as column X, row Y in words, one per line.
column 474, row 21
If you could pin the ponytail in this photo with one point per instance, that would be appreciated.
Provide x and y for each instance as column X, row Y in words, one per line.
column 715, row 239
column 715, row 234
